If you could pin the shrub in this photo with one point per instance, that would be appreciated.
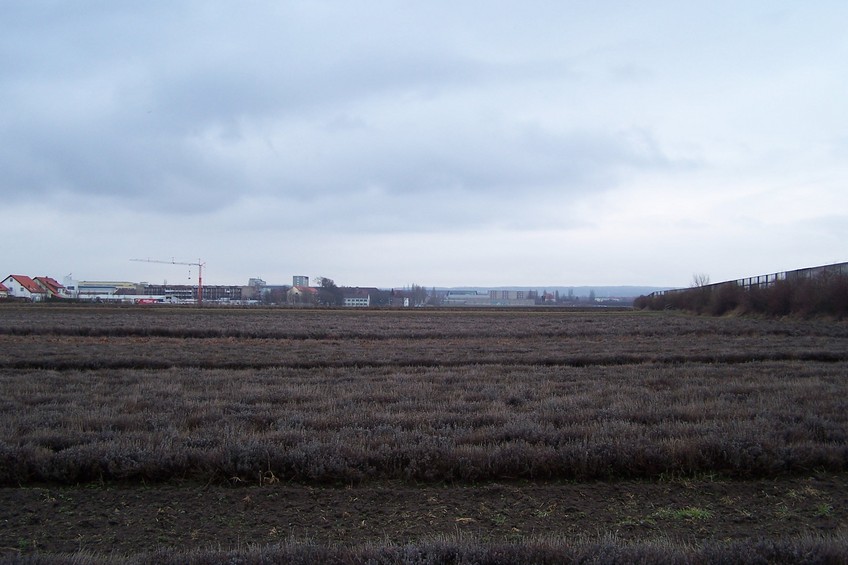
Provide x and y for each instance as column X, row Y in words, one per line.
column 825, row 295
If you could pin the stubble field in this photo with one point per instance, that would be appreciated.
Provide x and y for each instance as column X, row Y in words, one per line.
column 421, row 435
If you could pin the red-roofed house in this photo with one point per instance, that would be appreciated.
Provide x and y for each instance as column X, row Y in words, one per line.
column 302, row 295
column 4, row 292
column 21, row 286
column 52, row 286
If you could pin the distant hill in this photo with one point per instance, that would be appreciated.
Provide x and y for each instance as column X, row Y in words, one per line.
column 577, row 291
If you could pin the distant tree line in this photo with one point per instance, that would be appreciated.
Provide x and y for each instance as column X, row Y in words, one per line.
column 328, row 293
column 824, row 295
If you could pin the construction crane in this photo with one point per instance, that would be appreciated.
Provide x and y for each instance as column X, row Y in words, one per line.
column 200, row 264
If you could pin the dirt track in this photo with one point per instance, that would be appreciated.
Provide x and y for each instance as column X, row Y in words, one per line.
column 133, row 519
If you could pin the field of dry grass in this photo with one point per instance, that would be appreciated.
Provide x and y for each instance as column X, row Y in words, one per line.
column 338, row 397
column 475, row 422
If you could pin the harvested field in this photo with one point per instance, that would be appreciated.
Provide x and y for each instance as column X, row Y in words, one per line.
column 384, row 430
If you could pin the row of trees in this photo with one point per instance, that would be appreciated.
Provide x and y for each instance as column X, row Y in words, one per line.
column 824, row 295
column 328, row 293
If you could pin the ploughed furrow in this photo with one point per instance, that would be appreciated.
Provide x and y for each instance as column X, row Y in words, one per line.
column 483, row 332
column 152, row 352
column 612, row 361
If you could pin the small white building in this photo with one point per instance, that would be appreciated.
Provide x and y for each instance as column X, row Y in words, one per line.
column 357, row 298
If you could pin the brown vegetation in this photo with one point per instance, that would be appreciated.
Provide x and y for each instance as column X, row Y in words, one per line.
column 823, row 295
column 433, row 424
column 456, row 550
column 266, row 397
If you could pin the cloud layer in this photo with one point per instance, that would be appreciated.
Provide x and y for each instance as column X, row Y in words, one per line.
column 386, row 143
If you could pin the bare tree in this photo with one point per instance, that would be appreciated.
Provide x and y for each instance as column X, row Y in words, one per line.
column 700, row 279
column 329, row 293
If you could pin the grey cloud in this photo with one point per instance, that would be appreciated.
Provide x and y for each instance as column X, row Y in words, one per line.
column 171, row 120
column 424, row 185
column 142, row 144
column 273, row 89
column 505, row 159
column 160, row 169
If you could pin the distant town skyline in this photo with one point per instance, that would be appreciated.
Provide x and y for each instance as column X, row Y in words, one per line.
column 542, row 143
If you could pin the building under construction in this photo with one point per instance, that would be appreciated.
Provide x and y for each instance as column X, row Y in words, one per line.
column 188, row 293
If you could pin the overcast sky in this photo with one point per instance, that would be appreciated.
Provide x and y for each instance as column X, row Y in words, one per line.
column 443, row 143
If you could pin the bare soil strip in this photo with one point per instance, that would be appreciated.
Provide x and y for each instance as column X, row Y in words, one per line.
column 136, row 518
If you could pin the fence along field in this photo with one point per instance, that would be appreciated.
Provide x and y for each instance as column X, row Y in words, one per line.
column 349, row 397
